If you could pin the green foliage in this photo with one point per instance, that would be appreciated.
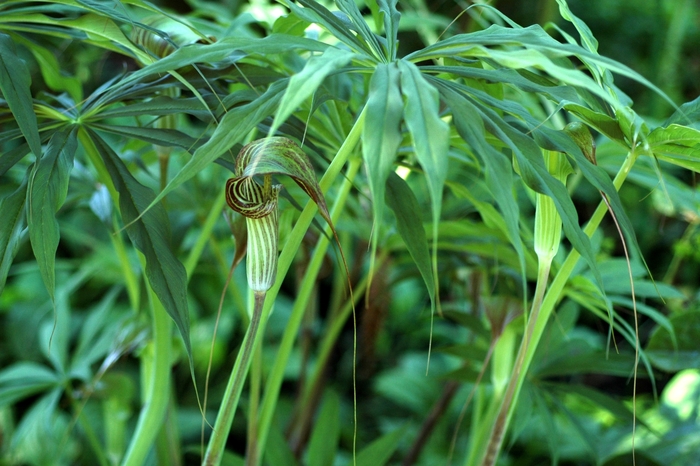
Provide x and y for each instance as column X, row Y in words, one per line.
column 120, row 122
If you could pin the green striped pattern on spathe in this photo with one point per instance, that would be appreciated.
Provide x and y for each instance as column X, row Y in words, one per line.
column 249, row 199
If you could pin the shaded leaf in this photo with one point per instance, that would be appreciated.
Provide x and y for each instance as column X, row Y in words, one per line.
column 15, row 82
column 12, row 210
column 232, row 128
column 149, row 232
column 48, row 187
column 159, row 136
column 403, row 202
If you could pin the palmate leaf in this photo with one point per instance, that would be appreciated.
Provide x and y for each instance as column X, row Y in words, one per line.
column 149, row 231
column 534, row 173
column 532, row 47
column 47, row 189
column 15, row 82
column 158, row 136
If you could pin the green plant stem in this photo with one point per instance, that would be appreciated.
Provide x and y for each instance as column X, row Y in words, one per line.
column 537, row 323
column 291, row 330
column 224, row 419
column 205, row 234
column 226, row 413
column 499, row 426
column 157, row 391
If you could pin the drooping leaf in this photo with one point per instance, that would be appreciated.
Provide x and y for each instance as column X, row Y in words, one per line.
column 15, row 81
column 431, row 136
column 150, row 233
column 381, row 136
column 47, row 189
column 498, row 173
column 12, row 210
column 303, row 84
column 403, row 202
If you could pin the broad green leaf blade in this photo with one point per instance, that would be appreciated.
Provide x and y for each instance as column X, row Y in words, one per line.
column 12, row 210
column 677, row 144
column 149, row 231
column 15, row 82
column 379, row 452
column 431, row 137
column 403, row 202
column 303, row 84
column 232, row 128
column 687, row 113
column 381, row 136
column 48, row 187
column 324, row 438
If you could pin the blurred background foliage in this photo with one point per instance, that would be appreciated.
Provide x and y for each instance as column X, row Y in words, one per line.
column 76, row 404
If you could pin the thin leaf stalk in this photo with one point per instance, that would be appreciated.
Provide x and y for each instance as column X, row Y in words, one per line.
column 274, row 381
column 232, row 394
column 216, row 445
column 537, row 323
column 157, row 388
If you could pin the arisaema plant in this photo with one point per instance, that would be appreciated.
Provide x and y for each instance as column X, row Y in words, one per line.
column 432, row 158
